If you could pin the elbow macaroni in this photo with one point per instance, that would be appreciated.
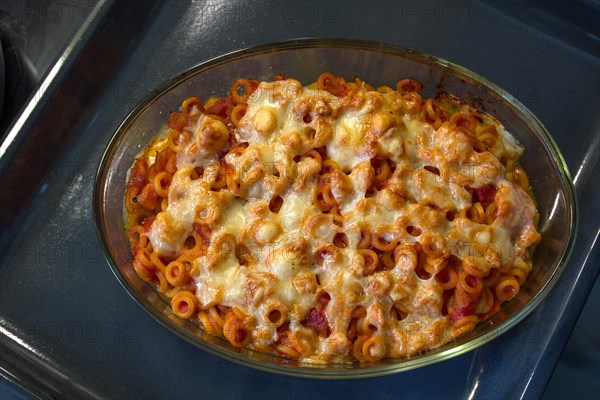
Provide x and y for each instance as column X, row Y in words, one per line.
column 335, row 222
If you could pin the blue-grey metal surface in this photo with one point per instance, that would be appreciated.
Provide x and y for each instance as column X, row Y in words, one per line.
column 69, row 328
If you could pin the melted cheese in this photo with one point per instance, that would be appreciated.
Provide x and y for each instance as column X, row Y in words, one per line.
column 346, row 147
column 222, row 284
column 295, row 208
column 233, row 219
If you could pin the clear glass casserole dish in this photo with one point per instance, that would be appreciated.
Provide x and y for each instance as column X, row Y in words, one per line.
column 377, row 64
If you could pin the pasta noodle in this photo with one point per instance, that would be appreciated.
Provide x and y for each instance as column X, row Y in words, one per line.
column 334, row 222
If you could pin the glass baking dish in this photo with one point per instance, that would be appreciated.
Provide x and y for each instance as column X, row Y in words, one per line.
column 378, row 64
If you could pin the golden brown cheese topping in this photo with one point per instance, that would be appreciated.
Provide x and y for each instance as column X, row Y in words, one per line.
column 333, row 222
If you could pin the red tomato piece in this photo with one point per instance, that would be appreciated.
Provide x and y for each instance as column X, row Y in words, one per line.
column 485, row 194
column 178, row 121
column 317, row 321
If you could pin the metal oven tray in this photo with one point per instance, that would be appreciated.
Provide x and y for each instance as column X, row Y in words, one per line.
column 67, row 327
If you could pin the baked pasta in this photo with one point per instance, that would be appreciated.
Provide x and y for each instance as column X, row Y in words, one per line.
column 335, row 222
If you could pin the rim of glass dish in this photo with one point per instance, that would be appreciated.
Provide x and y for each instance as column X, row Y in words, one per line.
column 334, row 371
